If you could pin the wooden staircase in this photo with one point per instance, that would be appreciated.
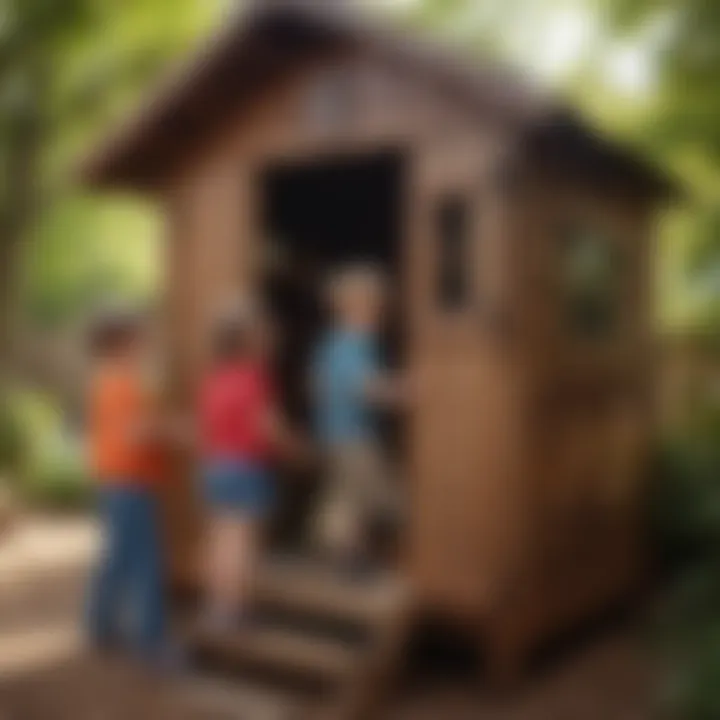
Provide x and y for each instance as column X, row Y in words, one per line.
column 332, row 642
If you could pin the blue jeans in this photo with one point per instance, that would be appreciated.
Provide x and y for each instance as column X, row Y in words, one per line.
column 128, row 583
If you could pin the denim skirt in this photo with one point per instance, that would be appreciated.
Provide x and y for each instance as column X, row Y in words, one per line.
column 245, row 487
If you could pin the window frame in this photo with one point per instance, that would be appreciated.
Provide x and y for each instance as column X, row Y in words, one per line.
column 454, row 286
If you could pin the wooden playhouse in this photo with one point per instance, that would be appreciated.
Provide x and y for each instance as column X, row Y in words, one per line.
column 519, row 243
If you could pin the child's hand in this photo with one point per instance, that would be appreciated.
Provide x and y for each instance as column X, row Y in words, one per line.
column 296, row 450
column 301, row 451
column 391, row 391
column 290, row 445
column 181, row 432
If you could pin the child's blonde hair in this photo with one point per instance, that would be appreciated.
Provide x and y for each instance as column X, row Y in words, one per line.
column 353, row 280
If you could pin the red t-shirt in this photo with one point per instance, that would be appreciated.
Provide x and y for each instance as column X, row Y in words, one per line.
column 234, row 404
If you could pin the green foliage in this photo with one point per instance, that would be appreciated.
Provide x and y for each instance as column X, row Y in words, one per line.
column 680, row 127
column 686, row 509
column 69, row 68
column 687, row 532
column 13, row 443
column 689, row 64
column 59, row 479
column 26, row 420
column 87, row 250
column 37, row 460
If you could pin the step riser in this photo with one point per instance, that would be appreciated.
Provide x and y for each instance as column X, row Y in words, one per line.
column 303, row 683
column 312, row 623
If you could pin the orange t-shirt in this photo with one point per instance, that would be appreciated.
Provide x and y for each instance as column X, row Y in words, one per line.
column 120, row 402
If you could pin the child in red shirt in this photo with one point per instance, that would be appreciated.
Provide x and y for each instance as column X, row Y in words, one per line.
column 240, row 430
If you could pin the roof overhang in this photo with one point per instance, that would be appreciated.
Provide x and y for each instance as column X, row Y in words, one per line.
column 258, row 46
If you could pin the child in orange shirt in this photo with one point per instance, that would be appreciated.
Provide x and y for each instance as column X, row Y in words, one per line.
column 125, row 444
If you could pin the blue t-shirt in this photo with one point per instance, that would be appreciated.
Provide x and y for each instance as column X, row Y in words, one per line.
column 343, row 363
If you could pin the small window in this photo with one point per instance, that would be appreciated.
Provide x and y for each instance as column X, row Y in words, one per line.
column 454, row 266
column 590, row 282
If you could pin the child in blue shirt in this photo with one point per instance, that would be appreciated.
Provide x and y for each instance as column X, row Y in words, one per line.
column 349, row 387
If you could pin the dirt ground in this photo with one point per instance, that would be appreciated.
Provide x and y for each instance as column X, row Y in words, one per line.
column 46, row 675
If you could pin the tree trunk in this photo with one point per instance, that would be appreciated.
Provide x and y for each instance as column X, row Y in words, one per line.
column 11, row 247
column 18, row 211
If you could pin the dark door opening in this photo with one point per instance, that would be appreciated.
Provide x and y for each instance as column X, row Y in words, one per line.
column 317, row 217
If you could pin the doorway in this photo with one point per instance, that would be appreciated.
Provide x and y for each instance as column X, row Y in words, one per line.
column 318, row 216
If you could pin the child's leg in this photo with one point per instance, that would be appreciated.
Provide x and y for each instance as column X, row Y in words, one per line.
column 382, row 500
column 339, row 527
column 149, row 575
column 108, row 587
column 217, row 541
column 249, row 532
column 231, row 562
column 339, row 521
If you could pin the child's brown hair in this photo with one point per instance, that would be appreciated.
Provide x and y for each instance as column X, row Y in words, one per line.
column 234, row 329
column 113, row 331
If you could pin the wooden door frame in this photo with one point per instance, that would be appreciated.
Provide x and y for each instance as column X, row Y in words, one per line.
column 405, row 153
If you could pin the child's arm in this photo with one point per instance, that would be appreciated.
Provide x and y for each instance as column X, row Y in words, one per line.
column 154, row 425
column 288, row 442
column 181, row 431
column 143, row 431
column 146, row 428
column 378, row 386
column 158, row 428
column 387, row 391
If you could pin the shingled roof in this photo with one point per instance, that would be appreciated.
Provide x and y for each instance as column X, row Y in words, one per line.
column 255, row 46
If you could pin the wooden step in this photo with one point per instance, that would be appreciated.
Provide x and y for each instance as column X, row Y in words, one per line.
column 307, row 587
column 208, row 697
column 281, row 651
